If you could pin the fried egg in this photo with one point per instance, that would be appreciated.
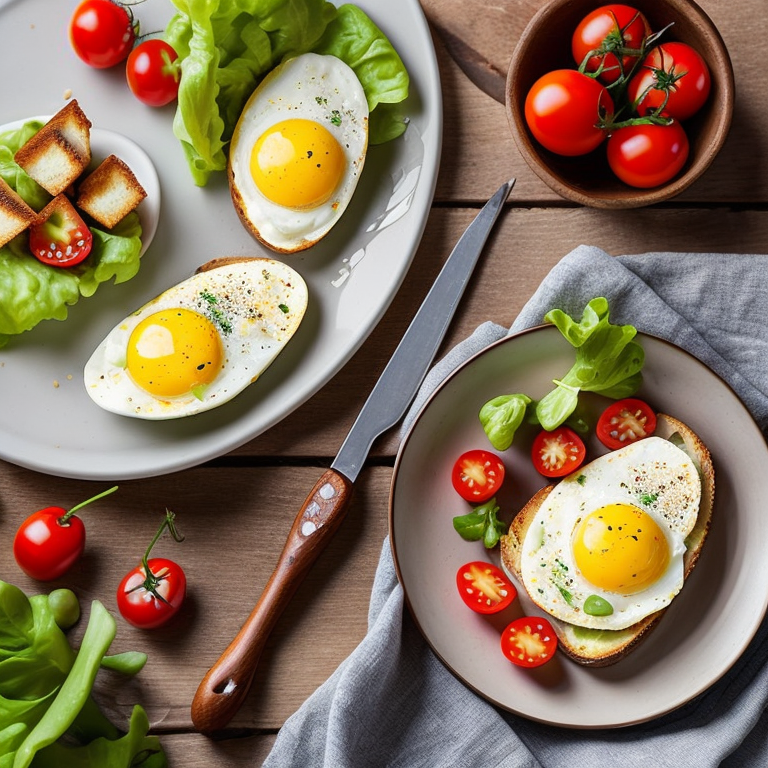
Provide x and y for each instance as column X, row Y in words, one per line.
column 298, row 150
column 199, row 343
column 606, row 547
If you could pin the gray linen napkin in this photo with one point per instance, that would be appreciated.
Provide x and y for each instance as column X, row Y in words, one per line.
column 392, row 702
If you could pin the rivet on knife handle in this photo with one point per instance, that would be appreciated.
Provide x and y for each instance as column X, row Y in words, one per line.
column 226, row 684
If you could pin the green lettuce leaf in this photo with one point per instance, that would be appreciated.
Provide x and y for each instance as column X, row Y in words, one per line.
column 357, row 41
column 227, row 46
column 608, row 360
column 501, row 418
column 31, row 291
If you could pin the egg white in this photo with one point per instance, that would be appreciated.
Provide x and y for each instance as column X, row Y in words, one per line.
column 651, row 474
column 262, row 303
column 313, row 87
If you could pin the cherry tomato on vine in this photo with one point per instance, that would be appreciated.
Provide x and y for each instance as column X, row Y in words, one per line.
column 150, row 594
column 529, row 641
column 102, row 32
column 50, row 541
column 153, row 72
column 563, row 111
column 645, row 156
column 673, row 79
column 607, row 33
column 625, row 422
column 484, row 587
column 477, row 475
column 557, row 453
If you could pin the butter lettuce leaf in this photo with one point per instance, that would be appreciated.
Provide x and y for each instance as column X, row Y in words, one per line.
column 226, row 47
column 608, row 361
column 31, row 291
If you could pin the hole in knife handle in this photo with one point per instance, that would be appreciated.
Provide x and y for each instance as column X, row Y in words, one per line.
column 225, row 687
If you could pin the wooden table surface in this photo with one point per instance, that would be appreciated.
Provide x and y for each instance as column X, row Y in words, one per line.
column 237, row 509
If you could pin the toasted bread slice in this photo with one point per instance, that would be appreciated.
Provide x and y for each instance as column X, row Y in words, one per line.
column 15, row 214
column 60, row 151
column 596, row 647
column 110, row 192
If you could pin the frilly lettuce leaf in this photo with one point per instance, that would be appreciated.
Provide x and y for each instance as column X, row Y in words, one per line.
column 608, row 360
column 30, row 291
column 227, row 46
column 501, row 418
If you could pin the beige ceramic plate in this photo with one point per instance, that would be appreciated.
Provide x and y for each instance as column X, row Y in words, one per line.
column 708, row 625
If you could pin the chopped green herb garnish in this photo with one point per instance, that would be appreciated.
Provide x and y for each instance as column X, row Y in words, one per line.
column 215, row 312
column 284, row 308
column 335, row 117
column 581, row 479
column 649, row 498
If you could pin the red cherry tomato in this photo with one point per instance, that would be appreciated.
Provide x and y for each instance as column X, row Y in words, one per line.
column 625, row 422
column 153, row 72
column 101, row 33
column 150, row 594
column 563, row 111
column 557, row 453
column 605, row 34
column 51, row 540
column 673, row 79
column 477, row 475
column 648, row 155
column 484, row 588
column 58, row 236
column 529, row 641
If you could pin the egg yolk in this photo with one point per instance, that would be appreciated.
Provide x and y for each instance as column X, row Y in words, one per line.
column 620, row 548
column 297, row 163
column 173, row 352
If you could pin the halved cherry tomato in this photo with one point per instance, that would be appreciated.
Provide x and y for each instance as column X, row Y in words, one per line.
column 673, row 79
column 645, row 156
column 604, row 33
column 102, row 32
column 151, row 593
column 49, row 542
column 484, row 587
column 58, row 236
column 529, row 641
column 563, row 111
column 557, row 453
column 624, row 422
column 477, row 475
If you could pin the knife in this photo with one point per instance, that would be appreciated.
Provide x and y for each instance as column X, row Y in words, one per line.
column 226, row 684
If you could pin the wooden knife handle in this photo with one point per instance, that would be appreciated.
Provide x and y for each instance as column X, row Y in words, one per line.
column 224, row 688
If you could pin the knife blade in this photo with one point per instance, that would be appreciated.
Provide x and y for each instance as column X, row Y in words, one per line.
column 226, row 684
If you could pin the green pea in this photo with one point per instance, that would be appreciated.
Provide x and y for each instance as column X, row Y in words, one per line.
column 65, row 607
column 595, row 605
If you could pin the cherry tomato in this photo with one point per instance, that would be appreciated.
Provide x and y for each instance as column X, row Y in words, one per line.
column 529, row 641
column 50, row 541
column 484, row 587
column 477, row 475
column 58, row 236
column 604, row 33
column 150, row 594
column 647, row 155
column 563, row 111
column 624, row 422
column 557, row 453
column 673, row 79
column 153, row 72
column 102, row 33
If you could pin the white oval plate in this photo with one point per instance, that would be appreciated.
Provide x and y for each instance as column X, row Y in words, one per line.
column 353, row 274
column 708, row 625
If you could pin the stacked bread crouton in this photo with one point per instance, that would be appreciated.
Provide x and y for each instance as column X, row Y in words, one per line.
column 57, row 157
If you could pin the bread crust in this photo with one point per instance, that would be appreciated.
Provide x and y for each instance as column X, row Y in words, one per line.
column 583, row 646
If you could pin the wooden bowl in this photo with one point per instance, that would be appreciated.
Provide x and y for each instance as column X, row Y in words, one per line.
column 545, row 45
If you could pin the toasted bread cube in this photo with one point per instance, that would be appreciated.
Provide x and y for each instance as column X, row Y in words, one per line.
column 15, row 214
column 60, row 151
column 110, row 192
